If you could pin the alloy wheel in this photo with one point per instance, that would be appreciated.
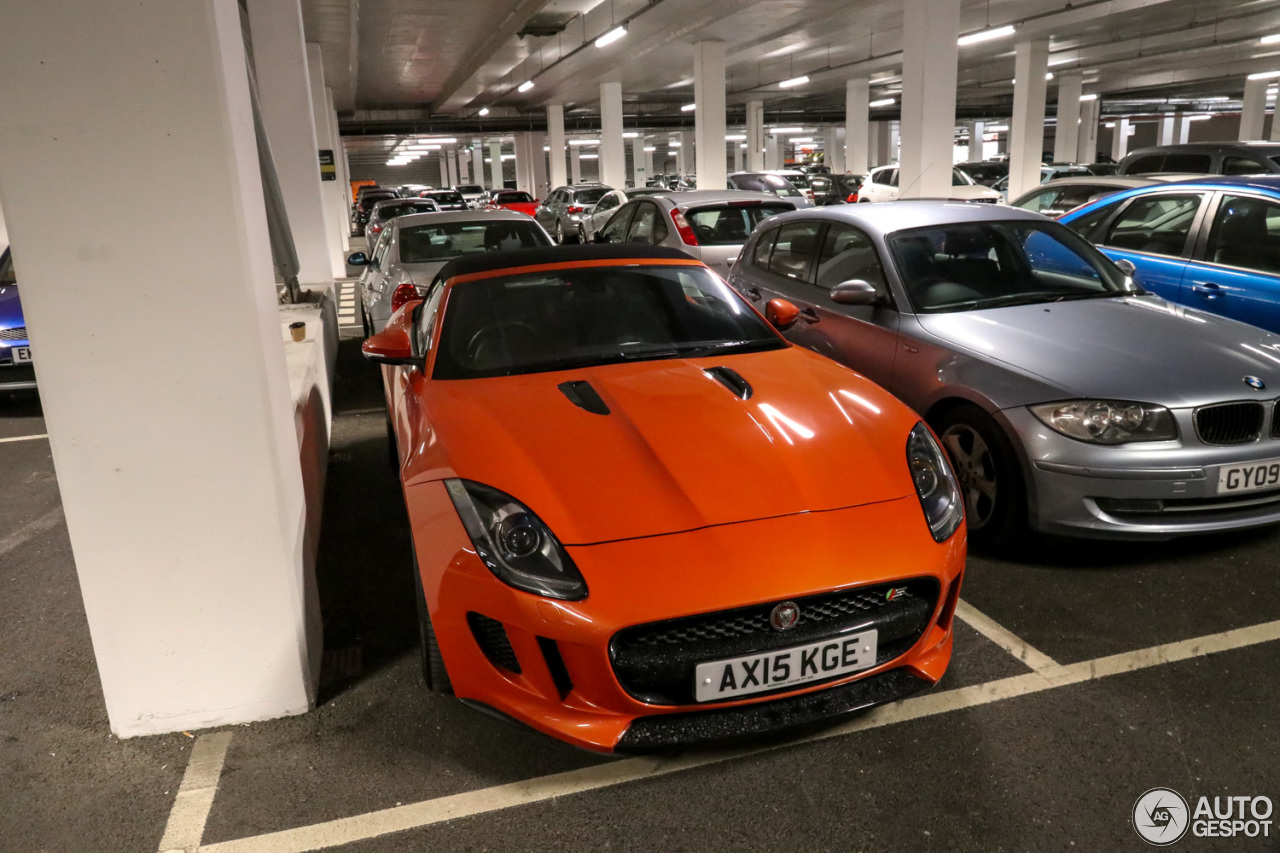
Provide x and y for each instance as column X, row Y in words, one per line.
column 976, row 469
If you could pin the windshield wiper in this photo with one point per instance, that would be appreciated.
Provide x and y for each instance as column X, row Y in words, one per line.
column 1095, row 294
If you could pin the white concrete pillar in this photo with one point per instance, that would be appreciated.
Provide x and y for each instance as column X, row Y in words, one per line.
column 875, row 156
column 857, row 116
column 1168, row 129
column 340, row 188
column 344, row 173
column 1184, row 131
column 185, row 507
column 772, row 152
column 709, row 119
column 451, row 164
column 337, row 210
column 928, row 97
column 555, row 140
column 739, row 156
column 613, row 151
column 976, row 131
column 538, row 141
column 1087, row 144
column 648, row 162
column 1254, row 110
column 464, row 177
column 496, row 173
column 442, row 170
column 685, row 153
column 1120, row 139
column 639, row 166
column 280, row 63
column 525, row 159
column 1026, row 128
column 1275, row 123
column 839, row 161
column 477, row 161
column 755, row 136
column 575, row 164
column 1066, row 138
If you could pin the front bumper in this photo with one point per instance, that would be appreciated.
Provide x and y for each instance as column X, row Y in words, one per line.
column 548, row 664
column 1145, row 490
column 15, row 377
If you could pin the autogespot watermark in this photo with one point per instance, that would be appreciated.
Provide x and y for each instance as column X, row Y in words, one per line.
column 1161, row 816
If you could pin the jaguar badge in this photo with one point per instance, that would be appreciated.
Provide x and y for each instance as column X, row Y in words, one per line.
column 1255, row 383
column 784, row 616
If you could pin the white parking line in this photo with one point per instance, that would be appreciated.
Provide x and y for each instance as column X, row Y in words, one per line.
column 1004, row 638
column 195, row 795
column 24, row 438
column 333, row 833
column 48, row 521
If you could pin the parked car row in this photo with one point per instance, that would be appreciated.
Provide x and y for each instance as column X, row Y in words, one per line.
column 17, row 372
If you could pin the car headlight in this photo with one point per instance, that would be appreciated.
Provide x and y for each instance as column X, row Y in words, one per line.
column 1108, row 421
column 935, row 484
column 514, row 543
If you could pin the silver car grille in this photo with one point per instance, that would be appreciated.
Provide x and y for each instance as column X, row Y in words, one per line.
column 17, row 333
column 1229, row 423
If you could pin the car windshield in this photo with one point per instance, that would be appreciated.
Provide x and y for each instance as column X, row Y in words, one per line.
column 798, row 181
column 967, row 266
column 391, row 211
column 572, row 318
column 422, row 244
column 730, row 224
column 6, row 269
column 766, row 184
column 514, row 197
column 447, row 197
column 589, row 197
column 960, row 179
column 471, row 189
column 368, row 200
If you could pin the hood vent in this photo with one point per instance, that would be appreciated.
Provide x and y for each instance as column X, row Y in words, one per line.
column 582, row 395
column 731, row 379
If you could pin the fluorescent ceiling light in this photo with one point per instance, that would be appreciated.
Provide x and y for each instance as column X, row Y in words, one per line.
column 1271, row 39
column 1199, row 118
column 743, row 145
column 985, row 35
column 675, row 143
column 734, row 137
column 787, row 130
column 1047, row 76
column 883, row 102
column 525, row 86
column 611, row 36
column 1088, row 97
column 650, row 148
column 1264, row 75
column 676, row 85
column 484, row 111
column 589, row 157
column 584, row 141
column 546, row 148
column 1109, row 124
column 998, row 128
column 802, row 139
column 433, row 140
column 1215, row 98
column 794, row 81
column 688, row 108
column 630, row 134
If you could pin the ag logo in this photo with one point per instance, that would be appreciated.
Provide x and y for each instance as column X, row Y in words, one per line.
column 1161, row 817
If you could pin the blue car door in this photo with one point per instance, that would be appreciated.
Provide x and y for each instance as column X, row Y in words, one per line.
column 1235, row 271
column 1154, row 232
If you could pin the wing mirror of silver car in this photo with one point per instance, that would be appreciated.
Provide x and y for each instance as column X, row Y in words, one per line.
column 854, row 292
column 1126, row 266
column 357, row 259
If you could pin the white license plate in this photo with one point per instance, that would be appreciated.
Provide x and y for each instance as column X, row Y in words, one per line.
column 21, row 354
column 724, row 679
column 1251, row 477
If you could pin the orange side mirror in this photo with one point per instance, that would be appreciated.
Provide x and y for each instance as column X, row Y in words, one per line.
column 781, row 313
column 390, row 346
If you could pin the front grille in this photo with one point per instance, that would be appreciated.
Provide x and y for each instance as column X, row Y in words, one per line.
column 1189, row 510
column 17, row 373
column 18, row 333
column 655, row 663
column 492, row 639
column 1275, row 420
column 1229, row 423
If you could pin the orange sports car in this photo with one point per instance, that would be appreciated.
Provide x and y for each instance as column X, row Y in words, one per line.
column 641, row 518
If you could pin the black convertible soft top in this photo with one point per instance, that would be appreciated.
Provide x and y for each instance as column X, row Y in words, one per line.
column 488, row 261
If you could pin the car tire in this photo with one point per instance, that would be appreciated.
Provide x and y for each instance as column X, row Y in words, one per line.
column 434, row 672
column 559, row 233
column 582, row 234
column 990, row 478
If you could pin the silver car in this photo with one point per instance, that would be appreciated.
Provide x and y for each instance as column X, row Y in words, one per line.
column 1069, row 399
column 381, row 214
column 563, row 208
column 413, row 248
column 710, row 225
column 595, row 218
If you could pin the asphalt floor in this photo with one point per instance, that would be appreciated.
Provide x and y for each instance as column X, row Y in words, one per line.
column 977, row 766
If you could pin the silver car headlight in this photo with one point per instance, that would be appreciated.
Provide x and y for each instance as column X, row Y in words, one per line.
column 1108, row 421
column 935, row 483
column 514, row 543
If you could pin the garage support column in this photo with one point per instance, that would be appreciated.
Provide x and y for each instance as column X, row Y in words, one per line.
column 337, row 216
column 772, row 152
column 929, row 57
column 976, row 131
column 1275, row 118
column 1087, row 144
column 1120, row 139
column 496, row 173
column 342, row 187
column 280, row 62
column 1254, row 110
column 477, row 161
column 1168, row 132
column 1066, row 138
column 739, row 156
column 185, row 508
column 575, row 164
column 639, row 165
column 555, row 140
column 709, row 120
column 1026, row 128
column 443, row 169
column 539, row 165
column 755, row 136
column 464, row 176
column 857, row 116
column 613, row 152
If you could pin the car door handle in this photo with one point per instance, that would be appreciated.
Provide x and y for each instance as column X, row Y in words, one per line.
column 809, row 315
column 1207, row 289
column 753, row 293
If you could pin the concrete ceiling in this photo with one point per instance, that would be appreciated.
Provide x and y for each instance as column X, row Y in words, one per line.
column 426, row 59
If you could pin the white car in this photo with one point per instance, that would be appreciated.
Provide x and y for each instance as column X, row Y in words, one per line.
column 882, row 185
column 473, row 194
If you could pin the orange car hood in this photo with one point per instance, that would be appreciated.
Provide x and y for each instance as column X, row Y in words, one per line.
column 678, row 450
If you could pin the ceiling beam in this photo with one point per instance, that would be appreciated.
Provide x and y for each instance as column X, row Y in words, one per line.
column 480, row 56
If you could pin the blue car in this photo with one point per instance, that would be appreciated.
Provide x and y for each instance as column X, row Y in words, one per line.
column 16, row 370
column 1209, row 243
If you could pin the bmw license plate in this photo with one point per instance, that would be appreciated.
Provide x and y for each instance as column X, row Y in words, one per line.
column 725, row 679
column 21, row 355
column 1253, row 477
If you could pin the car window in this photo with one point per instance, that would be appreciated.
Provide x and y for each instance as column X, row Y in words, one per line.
column 893, row 177
column 6, row 269
column 960, row 179
column 427, row 319
column 1086, row 224
column 764, row 248
column 1190, row 163
column 557, row 319
column 794, row 248
column 609, row 202
column 646, row 225
column 1158, row 224
column 1076, row 195
column 881, row 176
column 441, row 241
column 730, row 225
column 586, row 198
column 848, row 254
column 470, row 189
column 615, row 231
column 1241, row 166
column 1246, row 233
column 447, row 197
column 513, row 197
column 967, row 266
column 1040, row 202
column 380, row 250
column 1146, row 165
column 391, row 211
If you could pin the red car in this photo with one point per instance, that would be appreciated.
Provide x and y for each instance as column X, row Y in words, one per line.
column 517, row 200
